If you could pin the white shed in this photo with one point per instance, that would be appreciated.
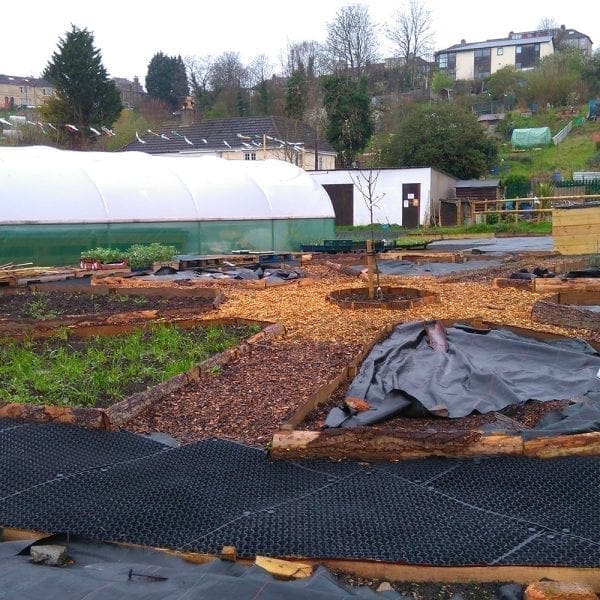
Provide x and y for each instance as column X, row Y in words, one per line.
column 407, row 197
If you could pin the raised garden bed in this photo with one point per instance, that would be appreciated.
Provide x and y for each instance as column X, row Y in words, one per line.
column 577, row 308
column 397, row 298
column 301, row 437
column 116, row 378
column 49, row 307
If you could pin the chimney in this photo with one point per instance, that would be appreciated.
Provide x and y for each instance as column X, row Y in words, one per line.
column 463, row 42
column 187, row 112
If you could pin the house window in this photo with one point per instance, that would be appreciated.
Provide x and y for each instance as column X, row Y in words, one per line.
column 447, row 61
column 320, row 163
column 45, row 92
column 482, row 64
column 250, row 156
column 499, row 51
column 527, row 56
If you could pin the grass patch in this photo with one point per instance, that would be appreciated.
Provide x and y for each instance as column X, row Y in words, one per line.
column 83, row 372
column 520, row 227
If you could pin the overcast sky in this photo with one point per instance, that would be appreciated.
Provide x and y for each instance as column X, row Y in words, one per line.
column 130, row 32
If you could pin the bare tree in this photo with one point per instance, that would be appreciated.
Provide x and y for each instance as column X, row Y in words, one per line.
column 411, row 33
column 199, row 70
column 366, row 184
column 308, row 55
column 228, row 71
column 352, row 39
column 260, row 69
column 549, row 24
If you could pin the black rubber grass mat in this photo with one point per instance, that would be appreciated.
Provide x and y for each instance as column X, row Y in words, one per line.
column 376, row 517
column 34, row 453
column 209, row 494
column 540, row 491
column 166, row 499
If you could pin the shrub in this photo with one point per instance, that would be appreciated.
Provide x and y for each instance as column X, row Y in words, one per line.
column 516, row 186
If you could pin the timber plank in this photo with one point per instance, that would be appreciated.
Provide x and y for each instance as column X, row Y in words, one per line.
column 566, row 285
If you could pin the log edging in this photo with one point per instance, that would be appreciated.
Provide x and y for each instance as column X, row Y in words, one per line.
column 122, row 412
column 419, row 298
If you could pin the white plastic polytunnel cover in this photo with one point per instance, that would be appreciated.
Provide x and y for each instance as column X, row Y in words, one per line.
column 39, row 184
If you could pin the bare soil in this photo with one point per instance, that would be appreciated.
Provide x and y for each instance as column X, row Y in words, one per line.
column 48, row 305
column 520, row 417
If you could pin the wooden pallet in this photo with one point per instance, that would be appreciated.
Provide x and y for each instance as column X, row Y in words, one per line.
column 20, row 276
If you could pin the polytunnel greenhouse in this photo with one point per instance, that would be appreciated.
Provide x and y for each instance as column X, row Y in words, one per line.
column 57, row 203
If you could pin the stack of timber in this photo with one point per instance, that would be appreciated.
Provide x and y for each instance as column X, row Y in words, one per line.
column 23, row 274
column 576, row 229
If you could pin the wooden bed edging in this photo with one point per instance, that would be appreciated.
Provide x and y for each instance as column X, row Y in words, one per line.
column 381, row 570
column 119, row 414
column 368, row 445
column 465, row 574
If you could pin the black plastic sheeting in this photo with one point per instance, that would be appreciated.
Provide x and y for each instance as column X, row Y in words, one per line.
column 404, row 267
column 102, row 571
column 210, row 494
column 482, row 371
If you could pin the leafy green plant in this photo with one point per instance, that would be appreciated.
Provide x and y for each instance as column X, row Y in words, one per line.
column 105, row 255
column 141, row 256
column 544, row 190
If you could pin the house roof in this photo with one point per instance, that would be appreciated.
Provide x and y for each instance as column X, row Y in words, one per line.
column 16, row 80
column 241, row 134
column 477, row 183
column 542, row 39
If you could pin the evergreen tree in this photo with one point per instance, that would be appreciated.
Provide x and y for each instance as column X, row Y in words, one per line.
column 296, row 95
column 166, row 80
column 85, row 96
column 349, row 120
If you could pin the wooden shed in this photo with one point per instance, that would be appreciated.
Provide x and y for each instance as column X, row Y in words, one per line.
column 456, row 211
column 478, row 189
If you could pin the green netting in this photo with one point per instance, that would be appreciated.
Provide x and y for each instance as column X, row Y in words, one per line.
column 531, row 137
column 48, row 245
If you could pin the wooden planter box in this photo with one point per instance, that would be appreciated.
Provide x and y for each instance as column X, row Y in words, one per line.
column 364, row 443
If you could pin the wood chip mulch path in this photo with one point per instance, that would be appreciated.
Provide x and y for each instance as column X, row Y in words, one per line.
column 251, row 397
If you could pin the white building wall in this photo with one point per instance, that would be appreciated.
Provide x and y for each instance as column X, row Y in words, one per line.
column 465, row 65
column 434, row 185
column 506, row 59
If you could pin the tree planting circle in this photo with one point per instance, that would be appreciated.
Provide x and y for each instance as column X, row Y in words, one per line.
column 397, row 298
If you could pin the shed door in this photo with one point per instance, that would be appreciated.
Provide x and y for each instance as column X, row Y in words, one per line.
column 342, row 198
column 411, row 204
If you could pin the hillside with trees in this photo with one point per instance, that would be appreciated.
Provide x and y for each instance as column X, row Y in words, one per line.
column 387, row 111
